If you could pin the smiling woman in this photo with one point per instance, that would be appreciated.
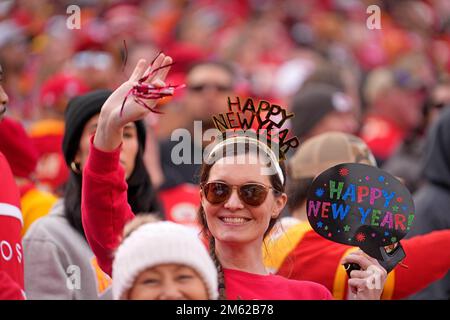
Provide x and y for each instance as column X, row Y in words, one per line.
column 162, row 261
column 240, row 201
column 236, row 222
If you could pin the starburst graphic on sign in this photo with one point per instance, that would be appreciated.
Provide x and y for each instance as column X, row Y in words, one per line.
column 395, row 208
column 319, row 224
column 360, row 237
column 343, row 172
column 326, row 228
column 346, row 228
column 320, row 192
column 393, row 239
column 381, row 178
column 400, row 199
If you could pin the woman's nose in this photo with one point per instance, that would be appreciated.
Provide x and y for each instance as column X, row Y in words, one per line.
column 234, row 202
column 170, row 291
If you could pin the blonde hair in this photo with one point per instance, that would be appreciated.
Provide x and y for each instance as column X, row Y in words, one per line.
column 138, row 221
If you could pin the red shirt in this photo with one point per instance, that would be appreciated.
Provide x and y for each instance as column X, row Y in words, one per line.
column 11, row 257
column 241, row 285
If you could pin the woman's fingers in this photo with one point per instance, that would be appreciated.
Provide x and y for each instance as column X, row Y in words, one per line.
column 157, row 63
column 368, row 282
column 357, row 285
column 162, row 73
column 362, row 261
column 160, row 68
column 359, row 274
column 139, row 70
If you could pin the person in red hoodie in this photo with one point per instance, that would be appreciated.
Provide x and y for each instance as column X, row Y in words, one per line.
column 19, row 150
column 11, row 255
column 235, row 223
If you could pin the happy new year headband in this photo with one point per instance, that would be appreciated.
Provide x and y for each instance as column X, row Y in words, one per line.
column 265, row 119
column 260, row 124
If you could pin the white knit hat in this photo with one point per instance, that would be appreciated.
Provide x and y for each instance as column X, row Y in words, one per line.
column 158, row 243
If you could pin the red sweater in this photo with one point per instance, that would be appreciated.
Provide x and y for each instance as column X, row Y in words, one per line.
column 11, row 257
column 105, row 211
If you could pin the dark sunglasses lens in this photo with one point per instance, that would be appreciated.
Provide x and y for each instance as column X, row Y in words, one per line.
column 196, row 88
column 202, row 87
column 253, row 194
column 223, row 88
column 216, row 192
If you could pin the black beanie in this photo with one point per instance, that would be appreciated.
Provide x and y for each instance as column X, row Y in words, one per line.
column 79, row 110
column 312, row 103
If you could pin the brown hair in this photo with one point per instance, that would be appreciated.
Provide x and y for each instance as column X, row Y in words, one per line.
column 297, row 191
column 278, row 189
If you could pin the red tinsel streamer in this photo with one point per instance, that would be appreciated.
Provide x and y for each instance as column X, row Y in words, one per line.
column 146, row 91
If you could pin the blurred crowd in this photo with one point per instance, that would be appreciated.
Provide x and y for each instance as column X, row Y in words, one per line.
column 318, row 58
column 393, row 80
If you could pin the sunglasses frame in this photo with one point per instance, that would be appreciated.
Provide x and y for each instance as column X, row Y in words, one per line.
column 238, row 189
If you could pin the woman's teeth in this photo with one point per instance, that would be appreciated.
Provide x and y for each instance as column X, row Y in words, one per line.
column 234, row 220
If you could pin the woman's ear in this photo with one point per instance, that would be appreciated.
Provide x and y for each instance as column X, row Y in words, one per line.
column 75, row 165
column 77, row 158
column 201, row 195
column 280, row 202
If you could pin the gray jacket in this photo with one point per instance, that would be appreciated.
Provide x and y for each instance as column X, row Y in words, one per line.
column 59, row 263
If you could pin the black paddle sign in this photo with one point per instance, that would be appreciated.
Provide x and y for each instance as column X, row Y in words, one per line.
column 360, row 205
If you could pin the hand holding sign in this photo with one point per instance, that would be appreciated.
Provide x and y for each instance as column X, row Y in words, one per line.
column 360, row 205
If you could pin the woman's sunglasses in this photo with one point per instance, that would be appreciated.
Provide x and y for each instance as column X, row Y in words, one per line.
column 252, row 194
column 215, row 86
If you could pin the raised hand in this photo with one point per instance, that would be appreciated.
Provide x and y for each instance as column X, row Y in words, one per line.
column 115, row 114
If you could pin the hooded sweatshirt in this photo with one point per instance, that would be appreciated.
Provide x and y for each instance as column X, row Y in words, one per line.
column 432, row 200
column 11, row 255
column 59, row 263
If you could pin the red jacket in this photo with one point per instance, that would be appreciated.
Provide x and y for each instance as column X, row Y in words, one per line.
column 302, row 254
column 11, row 257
